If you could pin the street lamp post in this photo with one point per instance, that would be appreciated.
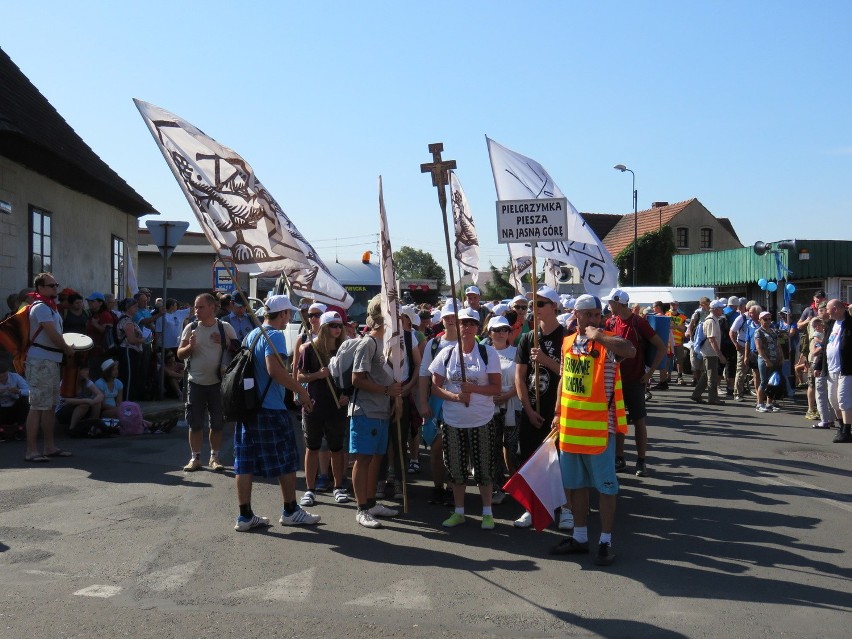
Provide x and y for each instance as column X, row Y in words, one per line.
column 623, row 168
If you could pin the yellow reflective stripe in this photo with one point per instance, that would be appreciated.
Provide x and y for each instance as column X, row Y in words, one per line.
column 582, row 405
column 584, row 441
column 583, row 424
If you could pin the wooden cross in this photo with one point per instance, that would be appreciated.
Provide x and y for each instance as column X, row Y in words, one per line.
column 440, row 171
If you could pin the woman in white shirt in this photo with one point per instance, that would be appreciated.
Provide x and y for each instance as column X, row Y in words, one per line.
column 468, row 410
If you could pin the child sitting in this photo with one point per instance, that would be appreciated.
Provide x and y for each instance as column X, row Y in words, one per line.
column 111, row 387
column 86, row 402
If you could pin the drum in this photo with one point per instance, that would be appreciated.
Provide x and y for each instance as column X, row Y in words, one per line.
column 78, row 341
column 81, row 344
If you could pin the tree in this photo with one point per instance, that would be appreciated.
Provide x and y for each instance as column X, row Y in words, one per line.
column 654, row 259
column 414, row 264
column 500, row 287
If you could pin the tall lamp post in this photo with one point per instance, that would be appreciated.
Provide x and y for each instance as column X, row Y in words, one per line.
column 623, row 168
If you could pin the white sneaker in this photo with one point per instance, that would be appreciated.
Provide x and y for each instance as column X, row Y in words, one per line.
column 566, row 519
column 243, row 524
column 299, row 518
column 380, row 510
column 364, row 518
column 341, row 496
column 308, row 499
column 760, row 408
column 524, row 521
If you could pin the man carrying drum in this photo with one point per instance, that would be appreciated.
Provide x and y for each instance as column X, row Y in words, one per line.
column 42, row 367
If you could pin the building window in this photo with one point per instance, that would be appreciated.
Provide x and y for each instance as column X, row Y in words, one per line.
column 682, row 239
column 706, row 238
column 41, row 242
column 117, row 267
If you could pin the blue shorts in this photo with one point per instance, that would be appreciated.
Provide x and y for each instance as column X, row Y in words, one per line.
column 368, row 435
column 266, row 446
column 430, row 426
column 590, row 471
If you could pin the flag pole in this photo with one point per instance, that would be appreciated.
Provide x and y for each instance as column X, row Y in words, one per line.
column 440, row 176
column 535, row 326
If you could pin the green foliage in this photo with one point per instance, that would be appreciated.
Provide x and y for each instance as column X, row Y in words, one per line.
column 414, row 264
column 654, row 259
column 500, row 286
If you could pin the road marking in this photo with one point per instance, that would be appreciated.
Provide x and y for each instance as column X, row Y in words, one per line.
column 788, row 482
column 295, row 587
column 171, row 578
column 406, row 594
column 98, row 590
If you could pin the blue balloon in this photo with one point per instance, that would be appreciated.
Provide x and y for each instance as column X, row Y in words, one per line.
column 791, row 288
column 762, row 283
column 771, row 287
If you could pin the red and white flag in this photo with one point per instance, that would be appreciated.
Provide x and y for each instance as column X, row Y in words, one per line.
column 241, row 219
column 537, row 486
column 393, row 349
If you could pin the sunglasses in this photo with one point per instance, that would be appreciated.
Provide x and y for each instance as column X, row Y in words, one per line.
column 542, row 303
column 340, row 326
column 502, row 329
column 522, row 307
column 50, row 285
column 314, row 314
column 469, row 322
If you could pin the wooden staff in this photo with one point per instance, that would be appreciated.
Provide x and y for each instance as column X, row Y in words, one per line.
column 535, row 327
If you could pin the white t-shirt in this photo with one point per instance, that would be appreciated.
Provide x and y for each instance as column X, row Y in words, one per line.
column 832, row 349
column 174, row 325
column 507, row 381
column 426, row 361
column 481, row 408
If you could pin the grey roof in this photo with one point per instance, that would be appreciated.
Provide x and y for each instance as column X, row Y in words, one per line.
column 32, row 133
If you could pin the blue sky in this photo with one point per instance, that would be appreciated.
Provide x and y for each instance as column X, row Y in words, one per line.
column 744, row 105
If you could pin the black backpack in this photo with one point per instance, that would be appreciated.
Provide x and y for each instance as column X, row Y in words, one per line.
column 239, row 403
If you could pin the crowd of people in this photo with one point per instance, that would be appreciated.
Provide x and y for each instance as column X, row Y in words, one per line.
column 485, row 385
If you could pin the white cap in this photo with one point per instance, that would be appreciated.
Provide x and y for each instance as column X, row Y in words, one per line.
column 330, row 316
column 617, row 295
column 520, row 298
column 587, row 302
column 469, row 313
column 108, row 364
column 498, row 321
column 449, row 309
column 411, row 314
column 718, row 304
column 472, row 290
column 436, row 316
column 316, row 306
column 499, row 309
column 549, row 294
column 278, row 303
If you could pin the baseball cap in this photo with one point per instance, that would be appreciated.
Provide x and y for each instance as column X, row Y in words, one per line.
column 498, row 322
column 436, row 316
column 278, row 303
column 108, row 364
column 764, row 314
column 784, row 310
column 717, row 304
column 743, row 301
column 316, row 306
column 733, row 300
column 95, row 296
column 499, row 309
column 472, row 290
column 520, row 298
column 330, row 316
column 819, row 293
column 617, row 295
column 549, row 294
column 587, row 302
column 469, row 313
column 127, row 302
column 449, row 309
column 411, row 314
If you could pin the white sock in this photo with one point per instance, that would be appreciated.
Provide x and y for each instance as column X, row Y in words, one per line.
column 196, row 455
column 486, row 510
column 581, row 534
column 214, row 454
column 606, row 538
column 460, row 511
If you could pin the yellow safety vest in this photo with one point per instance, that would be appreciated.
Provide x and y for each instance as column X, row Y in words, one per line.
column 583, row 403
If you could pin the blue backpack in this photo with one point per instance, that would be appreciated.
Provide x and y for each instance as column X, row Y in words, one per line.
column 698, row 339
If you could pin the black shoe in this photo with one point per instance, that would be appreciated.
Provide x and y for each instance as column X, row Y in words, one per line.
column 605, row 555
column 437, row 496
column 660, row 386
column 641, row 471
column 570, row 546
column 648, row 396
column 620, row 464
column 844, row 435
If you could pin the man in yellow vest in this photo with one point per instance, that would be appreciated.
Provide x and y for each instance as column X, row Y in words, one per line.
column 589, row 413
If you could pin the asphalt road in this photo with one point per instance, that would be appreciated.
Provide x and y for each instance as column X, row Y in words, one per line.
column 741, row 530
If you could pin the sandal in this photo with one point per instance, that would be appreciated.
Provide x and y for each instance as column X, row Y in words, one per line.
column 59, row 453
column 37, row 459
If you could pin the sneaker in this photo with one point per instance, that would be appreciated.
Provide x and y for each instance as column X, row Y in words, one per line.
column 566, row 519
column 605, row 555
column 215, row 465
column 570, row 546
column 308, row 499
column 843, row 436
column 380, row 510
column 413, row 467
column 193, row 465
column 760, row 408
column 456, row 520
column 364, row 518
column 498, row 496
column 680, row 381
column 620, row 464
column 487, row 522
column 323, row 484
column 397, row 490
column 648, row 396
column 437, row 495
column 773, row 407
column 823, row 425
column 247, row 523
column 524, row 521
column 812, row 414
column 738, row 398
column 299, row 518
column 341, row 496
column 660, row 386
column 641, row 469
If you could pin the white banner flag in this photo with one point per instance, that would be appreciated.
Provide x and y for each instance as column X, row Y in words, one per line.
column 517, row 177
column 467, row 244
column 241, row 219
column 517, row 267
column 393, row 348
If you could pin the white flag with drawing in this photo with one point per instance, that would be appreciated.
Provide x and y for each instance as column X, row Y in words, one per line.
column 241, row 219
column 467, row 244
column 518, row 177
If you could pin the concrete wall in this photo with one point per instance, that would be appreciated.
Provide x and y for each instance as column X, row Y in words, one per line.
column 695, row 217
column 82, row 230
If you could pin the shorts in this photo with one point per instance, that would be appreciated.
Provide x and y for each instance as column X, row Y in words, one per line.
column 331, row 426
column 840, row 391
column 634, row 400
column 203, row 399
column 430, row 426
column 266, row 446
column 590, row 471
column 466, row 447
column 43, row 378
column 368, row 435
column 680, row 354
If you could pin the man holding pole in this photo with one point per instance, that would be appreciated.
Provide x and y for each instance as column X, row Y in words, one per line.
column 266, row 445
column 539, row 368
